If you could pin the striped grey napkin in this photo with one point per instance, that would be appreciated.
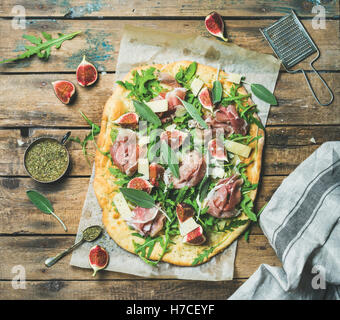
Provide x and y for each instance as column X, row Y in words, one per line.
column 301, row 222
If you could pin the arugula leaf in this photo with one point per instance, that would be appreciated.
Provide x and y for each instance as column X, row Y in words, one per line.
column 144, row 85
column 95, row 130
column 204, row 255
column 247, row 233
column 121, row 178
column 184, row 76
column 41, row 49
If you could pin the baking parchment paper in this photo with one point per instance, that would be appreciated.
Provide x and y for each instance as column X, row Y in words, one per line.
column 140, row 46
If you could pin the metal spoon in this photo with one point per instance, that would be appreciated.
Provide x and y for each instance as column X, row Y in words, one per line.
column 89, row 234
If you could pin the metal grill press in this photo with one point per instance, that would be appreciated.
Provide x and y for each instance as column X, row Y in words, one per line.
column 292, row 44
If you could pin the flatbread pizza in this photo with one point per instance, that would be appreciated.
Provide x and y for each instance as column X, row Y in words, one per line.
column 178, row 162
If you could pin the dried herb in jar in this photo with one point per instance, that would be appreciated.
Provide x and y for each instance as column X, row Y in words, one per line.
column 46, row 160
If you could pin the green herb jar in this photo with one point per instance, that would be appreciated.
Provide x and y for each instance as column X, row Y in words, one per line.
column 46, row 160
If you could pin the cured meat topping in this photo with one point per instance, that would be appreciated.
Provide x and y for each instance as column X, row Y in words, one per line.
column 191, row 170
column 228, row 119
column 148, row 222
column 125, row 152
column 224, row 197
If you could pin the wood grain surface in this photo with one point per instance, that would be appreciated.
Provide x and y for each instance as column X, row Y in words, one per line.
column 29, row 109
column 166, row 8
column 100, row 40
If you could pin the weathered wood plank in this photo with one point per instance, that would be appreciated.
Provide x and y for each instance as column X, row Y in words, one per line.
column 31, row 252
column 167, row 8
column 100, row 41
column 20, row 217
column 34, row 102
column 285, row 148
column 121, row 290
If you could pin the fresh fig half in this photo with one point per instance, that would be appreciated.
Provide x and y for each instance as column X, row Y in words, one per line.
column 205, row 99
column 86, row 73
column 217, row 150
column 64, row 90
column 156, row 172
column 215, row 25
column 129, row 119
column 98, row 258
column 140, row 184
column 184, row 212
column 195, row 237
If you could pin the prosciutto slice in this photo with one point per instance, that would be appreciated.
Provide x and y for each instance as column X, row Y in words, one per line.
column 228, row 119
column 224, row 197
column 147, row 222
column 167, row 79
column 191, row 170
column 125, row 152
column 173, row 102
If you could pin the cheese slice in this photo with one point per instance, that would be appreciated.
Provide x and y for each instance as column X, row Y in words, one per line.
column 188, row 226
column 196, row 86
column 238, row 148
column 122, row 206
column 143, row 167
column 158, row 105
column 234, row 77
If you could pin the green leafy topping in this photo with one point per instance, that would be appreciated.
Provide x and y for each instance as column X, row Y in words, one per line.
column 217, row 92
column 247, row 233
column 138, row 197
column 113, row 134
column 40, row 48
column 146, row 113
column 246, row 111
column 204, row 255
column 169, row 157
column 184, row 76
column 194, row 113
column 144, row 85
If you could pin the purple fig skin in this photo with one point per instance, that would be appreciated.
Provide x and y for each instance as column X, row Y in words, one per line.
column 215, row 25
column 64, row 90
column 87, row 73
column 98, row 259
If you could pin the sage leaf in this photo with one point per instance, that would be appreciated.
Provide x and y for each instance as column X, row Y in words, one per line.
column 43, row 204
column 41, row 49
column 138, row 197
column 170, row 158
column 263, row 93
column 193, row 113
column 146, row 113
column 217, row 91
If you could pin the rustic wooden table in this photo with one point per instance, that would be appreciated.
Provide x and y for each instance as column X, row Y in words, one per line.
column 29, row 109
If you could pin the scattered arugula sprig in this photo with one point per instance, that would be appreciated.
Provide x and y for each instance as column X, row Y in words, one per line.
column 95, row 130
column 40, row 48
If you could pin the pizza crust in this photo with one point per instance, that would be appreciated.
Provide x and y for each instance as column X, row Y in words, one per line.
column 180, row 254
